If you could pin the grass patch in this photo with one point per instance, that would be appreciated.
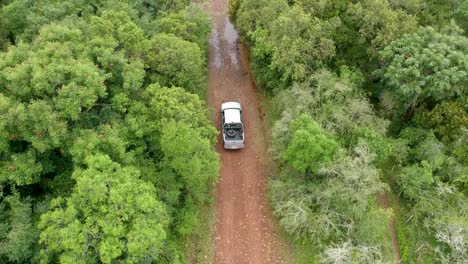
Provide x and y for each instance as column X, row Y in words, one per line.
column 199, row 246
column 305, row 253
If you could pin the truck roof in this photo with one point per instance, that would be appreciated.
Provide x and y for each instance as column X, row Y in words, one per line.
column 229, row 105
column 232, row 116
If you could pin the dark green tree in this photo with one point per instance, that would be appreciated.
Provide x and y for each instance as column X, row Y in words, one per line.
column 461, row 16
column 186, row 67
column 190, row 24
column 379, row 24
column 447, row 119
column 18, row 234
column 424, row 67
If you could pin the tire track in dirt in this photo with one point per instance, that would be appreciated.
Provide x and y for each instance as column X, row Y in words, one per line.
column 244, row 229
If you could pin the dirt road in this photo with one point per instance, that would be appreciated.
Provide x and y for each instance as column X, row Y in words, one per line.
column 244, row 230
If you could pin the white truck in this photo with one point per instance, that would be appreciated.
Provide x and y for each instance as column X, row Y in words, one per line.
column 232, row 127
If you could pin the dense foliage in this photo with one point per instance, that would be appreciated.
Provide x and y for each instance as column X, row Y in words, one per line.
column 103, row 158
column 106, row 152
column 367, row 97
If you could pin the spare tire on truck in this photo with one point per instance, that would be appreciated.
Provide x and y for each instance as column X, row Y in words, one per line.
column 231, row 133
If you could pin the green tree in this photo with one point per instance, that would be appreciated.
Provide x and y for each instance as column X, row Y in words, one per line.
column 48, row 83
column 191, row 24
column 110, row 215
column 335, row 103
column 45, row 88
column 118, row 46
column 437, row 13
column 447, row 119
column 191, row 156
column 253, row 15
column 77, row 119
column 377, row 142
column 196, row 165
column 12, row 19
column 171, row 129
column 367, row 27
column 410, row 6
column 164, row 105
column 116, row 29
column 324, row 9
column 327, row 206
column 310, row 148
column 186, row 67
column 23, row 18
column 154, row 7
column 379, row 24
column 460, row 147
column 300, row 43
column 415, row 180
column 233, row 9
column 105, row 139
column 461, row 16
column 426, row 66
column 18, row 234
column 21, row 168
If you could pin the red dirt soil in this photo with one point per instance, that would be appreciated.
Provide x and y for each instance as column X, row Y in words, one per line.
column 244, row 231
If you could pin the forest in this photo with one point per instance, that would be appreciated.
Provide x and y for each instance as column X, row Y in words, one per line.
column 106, row 149
column 107, row 152
column 366, row 97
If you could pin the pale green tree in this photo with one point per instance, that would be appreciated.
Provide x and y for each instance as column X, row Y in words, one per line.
column 346, row 252
column 327, row 206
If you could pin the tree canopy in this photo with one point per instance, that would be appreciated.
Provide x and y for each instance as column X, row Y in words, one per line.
column 89, row 171
column 364, row 94
column 111, row 214
column 425, row 66
column 310, row 148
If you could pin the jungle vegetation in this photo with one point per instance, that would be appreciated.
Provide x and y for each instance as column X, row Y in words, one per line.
column 106, row 150
column 367, row 96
